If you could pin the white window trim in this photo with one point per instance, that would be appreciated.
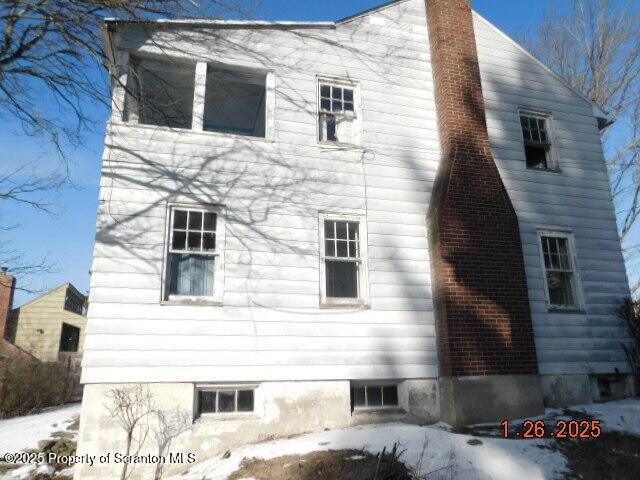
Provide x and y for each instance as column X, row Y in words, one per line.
column 363, row 273
column 226, row 387
column 357, row 110
column 577, row 284
column 218, row 282
column 553, row 160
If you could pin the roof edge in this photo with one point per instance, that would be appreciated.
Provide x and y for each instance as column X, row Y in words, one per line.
column 196, row 22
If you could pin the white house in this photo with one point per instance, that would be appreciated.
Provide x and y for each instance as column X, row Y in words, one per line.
column 269, row 195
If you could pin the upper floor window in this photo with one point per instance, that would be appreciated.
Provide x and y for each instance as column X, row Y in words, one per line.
column 337, row 112
column 73, row 303
column 343, row 268
column 538, row 145
column 160, row 93
column 235, row 102
column 69, row 338
column 195, row 254
column 560, row 272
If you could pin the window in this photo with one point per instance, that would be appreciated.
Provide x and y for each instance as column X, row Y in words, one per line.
column 537, row 142
column 160, row 93
column 343, row 260
column 194, row 258
column 560, row 278
column 374, row 396
column 69, row 338
column 74, row 303
column 235, row 103
column 337, row 113
column 224, row 400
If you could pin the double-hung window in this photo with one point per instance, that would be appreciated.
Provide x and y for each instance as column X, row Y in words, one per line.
column 538, row 144
column 337, row 113
column 343, row 260
column 194, row 263
column 561, row 278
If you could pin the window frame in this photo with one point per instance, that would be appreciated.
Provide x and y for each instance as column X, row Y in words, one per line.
column 376, row 384
column 363, row 275
column 355, row 115
column 218, row 280
column 77, row 343
column 553, row 163
column 197, row 414
column 576, row 284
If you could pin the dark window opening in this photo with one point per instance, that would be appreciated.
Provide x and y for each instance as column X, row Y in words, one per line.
column 69, row 338
column 225, row 401
column 74, row 303
column 374, row 396
column 160, row 93
column 342, row 259
column 235, row 103
column 537, row 142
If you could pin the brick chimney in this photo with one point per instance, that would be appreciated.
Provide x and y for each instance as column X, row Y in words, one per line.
column 7, row 287
column 488, row 364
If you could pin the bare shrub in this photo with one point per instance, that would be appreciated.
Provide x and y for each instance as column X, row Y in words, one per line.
column 28, row 386
column 629, row 312
column 169, row 426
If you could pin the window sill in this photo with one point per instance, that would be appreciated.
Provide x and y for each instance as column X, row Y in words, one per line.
column 351, row 306
column 546, row 170
column 226, row 417
column 192, row 302
column 378, row 411
column 572, row 311
column 118, row 123
column 339, row 146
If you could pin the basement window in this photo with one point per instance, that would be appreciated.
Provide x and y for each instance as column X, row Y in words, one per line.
column 374, row 397
column 221, row 400
column 343, row 260
column 69, row 338
column 195, row 253
column 235, row 102
column 337, row 113
column 560, row 273
column 538, row 146
column 160, row 93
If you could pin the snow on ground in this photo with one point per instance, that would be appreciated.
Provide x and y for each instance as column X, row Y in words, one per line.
column 20, row 433
column 494, row 458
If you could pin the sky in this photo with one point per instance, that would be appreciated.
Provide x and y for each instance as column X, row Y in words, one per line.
column 66, row 238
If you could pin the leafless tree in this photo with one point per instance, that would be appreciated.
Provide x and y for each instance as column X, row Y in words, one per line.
column 170, row 425
column 130, row 406
column 595, row 46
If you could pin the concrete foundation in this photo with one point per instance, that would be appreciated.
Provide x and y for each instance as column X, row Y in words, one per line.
column 566, row 390
column 281, row 409
column 470, row 400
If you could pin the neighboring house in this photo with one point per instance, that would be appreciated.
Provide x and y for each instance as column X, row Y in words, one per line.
column 398, row 216
column 52, row 326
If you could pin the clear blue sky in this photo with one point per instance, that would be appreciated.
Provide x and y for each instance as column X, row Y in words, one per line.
column 67, row 238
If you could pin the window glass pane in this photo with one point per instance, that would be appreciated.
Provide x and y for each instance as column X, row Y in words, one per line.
column 560, row 288
column 374, row 396
column 341, row 230
column 226, row 402
column 209, row 242
column 330, row 248
column 353, row 231
column 191, row 275
column 195, row 220
column 325, row 105
column 342, row 249
column 342, row 279
column 69, row 338
column 325, row 91
column 353, row 250
column 164, row 92
column 348, row 95
column 328, row 128
column 348, row 107
column 536, row 157
column 193, row 241
column 357, row 397
column 179, row 240
column 180, row 219
column 390, row 396
column 245, row 400
column 210, row 220
column 336, row 106
column 329, row 229
column 207, row 402
column 235, row 103
column 337, row 93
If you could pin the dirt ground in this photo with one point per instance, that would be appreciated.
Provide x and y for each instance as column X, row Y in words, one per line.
column 330, row 465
